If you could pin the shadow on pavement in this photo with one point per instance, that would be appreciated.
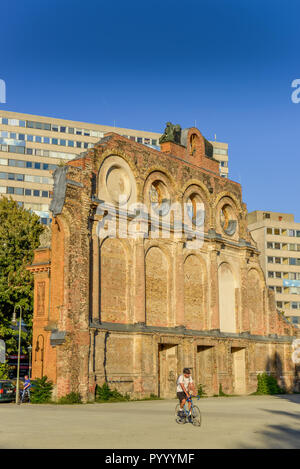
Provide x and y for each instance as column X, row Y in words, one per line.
column 281, row 436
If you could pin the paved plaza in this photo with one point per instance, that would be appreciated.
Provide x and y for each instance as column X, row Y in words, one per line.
column 228, row 422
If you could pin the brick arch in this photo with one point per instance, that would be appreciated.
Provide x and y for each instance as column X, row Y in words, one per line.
column 157, row 291
column 121, row 154
column 195, row 292
column 227, row 301
column 158, row 174
column 113, row 281
column 255, row 300
column 231, row 196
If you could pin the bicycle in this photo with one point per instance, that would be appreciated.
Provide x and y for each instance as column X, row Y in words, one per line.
column 192, row 415
column 26, row 396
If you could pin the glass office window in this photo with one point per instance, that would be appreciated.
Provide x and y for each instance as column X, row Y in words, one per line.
column 27, row 191
column 70, row 143
column 15, row 149
column 19, row 191
column 36, row 193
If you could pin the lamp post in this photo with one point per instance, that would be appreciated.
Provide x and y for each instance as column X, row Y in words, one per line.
column 29, row 352
column 19, row 349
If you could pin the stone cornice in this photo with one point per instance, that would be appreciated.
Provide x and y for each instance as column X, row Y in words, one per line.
column 181, row 331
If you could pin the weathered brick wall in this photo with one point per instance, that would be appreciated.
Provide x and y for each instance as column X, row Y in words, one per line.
column 99, row 286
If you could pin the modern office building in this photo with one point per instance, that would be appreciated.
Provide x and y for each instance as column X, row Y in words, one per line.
column 278, row 239
column 32, row 146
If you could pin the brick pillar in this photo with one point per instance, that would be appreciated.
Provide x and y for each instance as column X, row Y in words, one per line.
column 245, row 319
column 214, row 292
column 179, row 284
column 139, row 302
column 96, row 279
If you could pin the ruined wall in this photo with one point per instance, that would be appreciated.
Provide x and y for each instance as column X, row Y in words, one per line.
column 133, row 312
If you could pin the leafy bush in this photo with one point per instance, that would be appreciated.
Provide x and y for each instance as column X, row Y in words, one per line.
column 221, row 393
column 268, row 385
column 72, row 398
column 41, row 390
column 105, row 394
column 4, row 371
column 201, row 391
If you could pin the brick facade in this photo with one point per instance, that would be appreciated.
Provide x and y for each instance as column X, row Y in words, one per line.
column 134, row 311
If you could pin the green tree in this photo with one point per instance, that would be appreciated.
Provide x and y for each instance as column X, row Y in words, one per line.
column 19, row 236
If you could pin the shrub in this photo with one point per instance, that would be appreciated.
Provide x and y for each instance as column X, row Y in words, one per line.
column 201, row 391
column 71, row 398
column 268, row 385
column 105, row 394
column 41, row 391
column 221, row 393
column 4, row 371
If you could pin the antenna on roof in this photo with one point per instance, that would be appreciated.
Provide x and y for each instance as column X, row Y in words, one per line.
column 195, row 124
column 215, row 137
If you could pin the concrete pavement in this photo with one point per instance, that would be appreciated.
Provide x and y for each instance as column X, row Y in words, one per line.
column 227, row 422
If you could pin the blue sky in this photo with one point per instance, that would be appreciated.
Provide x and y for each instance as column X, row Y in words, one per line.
column 226, row 64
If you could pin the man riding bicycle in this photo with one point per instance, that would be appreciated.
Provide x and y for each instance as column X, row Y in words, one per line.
column 185, row 384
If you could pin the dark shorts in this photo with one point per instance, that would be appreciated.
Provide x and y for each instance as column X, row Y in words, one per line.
column 181, row 396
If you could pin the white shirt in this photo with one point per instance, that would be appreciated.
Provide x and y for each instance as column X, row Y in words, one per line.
column 185, row 381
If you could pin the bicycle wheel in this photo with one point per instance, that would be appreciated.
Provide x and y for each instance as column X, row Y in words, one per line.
column 177, row 418
column 196, row 416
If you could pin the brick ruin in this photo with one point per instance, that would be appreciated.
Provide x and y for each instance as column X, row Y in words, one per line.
column 133, row 311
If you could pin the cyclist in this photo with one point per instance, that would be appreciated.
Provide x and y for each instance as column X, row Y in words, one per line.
column 27, row 386
column 185, row 384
